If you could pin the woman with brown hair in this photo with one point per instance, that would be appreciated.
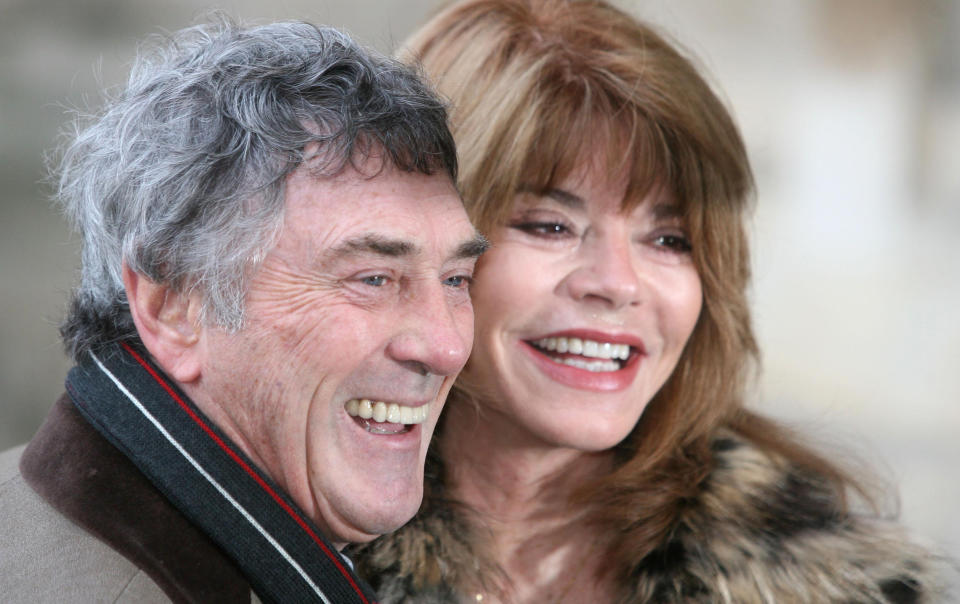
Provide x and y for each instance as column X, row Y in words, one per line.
column 596, row 448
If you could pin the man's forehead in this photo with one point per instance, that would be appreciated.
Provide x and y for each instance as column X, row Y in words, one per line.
column 359, row 170
column 356, row 184
column 390, row 214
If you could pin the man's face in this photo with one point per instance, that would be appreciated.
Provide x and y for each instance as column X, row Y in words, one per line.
column 364, row 300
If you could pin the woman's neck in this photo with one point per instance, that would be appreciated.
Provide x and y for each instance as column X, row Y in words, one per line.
column 520, row 490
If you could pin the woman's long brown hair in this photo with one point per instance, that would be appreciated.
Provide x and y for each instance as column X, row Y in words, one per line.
column 537, row 87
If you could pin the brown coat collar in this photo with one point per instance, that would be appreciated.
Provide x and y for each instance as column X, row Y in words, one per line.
column 92, row 483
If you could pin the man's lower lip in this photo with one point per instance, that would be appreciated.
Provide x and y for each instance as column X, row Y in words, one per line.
column 384, row 428
column 583, row 379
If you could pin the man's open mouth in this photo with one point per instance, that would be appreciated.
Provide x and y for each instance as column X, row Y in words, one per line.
column 378, row 417
column 589, row 355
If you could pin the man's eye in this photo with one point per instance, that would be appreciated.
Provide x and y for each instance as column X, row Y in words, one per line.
column 458, row 281
column 375, row 280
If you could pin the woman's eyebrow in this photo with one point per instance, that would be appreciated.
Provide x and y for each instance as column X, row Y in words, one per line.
column 667, row 210
column 561, row 196
column 664, row 210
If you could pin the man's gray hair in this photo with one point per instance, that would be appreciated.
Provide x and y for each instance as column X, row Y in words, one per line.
column 182, row 174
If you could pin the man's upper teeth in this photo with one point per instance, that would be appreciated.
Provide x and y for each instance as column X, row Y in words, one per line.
column 587, row 348
column 393, row 413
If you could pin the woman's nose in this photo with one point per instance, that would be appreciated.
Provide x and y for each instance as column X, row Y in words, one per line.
column 607, row 274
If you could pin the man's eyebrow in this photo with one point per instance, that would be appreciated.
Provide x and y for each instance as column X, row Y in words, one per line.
column 474, row 248
column 372, row 243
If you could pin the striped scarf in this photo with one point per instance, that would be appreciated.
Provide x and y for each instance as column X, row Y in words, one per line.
column 214, row 484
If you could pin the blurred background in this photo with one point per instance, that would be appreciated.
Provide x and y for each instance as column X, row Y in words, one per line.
column 850, row 110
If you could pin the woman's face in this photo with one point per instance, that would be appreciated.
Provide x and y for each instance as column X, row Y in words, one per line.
column 582, row 311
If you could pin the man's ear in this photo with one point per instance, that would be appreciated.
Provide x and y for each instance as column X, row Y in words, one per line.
column 167, row 323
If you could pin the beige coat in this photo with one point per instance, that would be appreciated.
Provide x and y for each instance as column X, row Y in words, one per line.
column 46, row 558
column 80, row 523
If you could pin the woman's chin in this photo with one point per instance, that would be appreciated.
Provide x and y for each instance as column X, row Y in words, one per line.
column 589, row 435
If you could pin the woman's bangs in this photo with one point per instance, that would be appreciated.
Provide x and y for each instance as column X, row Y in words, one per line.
column 591, row 132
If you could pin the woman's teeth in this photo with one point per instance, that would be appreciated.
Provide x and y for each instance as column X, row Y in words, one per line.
column 608, row 355
column 595, row 366
column 587, row 348
column 393, row 413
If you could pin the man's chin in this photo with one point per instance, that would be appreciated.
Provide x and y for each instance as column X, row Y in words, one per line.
column 360, row 525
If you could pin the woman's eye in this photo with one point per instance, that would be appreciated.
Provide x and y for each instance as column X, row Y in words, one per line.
column 375, row 280
column 543, row 229
column 675, row 243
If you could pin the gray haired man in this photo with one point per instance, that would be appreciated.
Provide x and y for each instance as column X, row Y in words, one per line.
column 273, row 306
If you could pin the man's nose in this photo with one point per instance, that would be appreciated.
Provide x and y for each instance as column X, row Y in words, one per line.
column 435, row 332
column 607, row 273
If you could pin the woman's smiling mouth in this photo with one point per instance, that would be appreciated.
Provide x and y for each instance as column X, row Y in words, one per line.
column 576, row 352
column 586, row 361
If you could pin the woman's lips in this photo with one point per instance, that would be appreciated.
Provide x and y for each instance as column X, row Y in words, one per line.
column 583, row 347
column 586, row 361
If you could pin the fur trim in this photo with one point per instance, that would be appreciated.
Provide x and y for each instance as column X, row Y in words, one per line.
column 759, row 531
